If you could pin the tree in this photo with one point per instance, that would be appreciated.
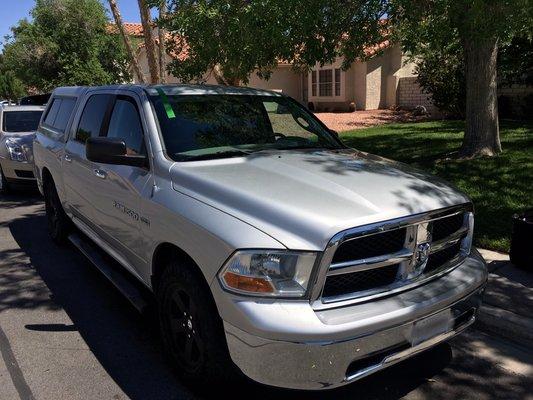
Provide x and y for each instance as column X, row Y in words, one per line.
column 126, row 39
column 480, row 26
column 232, row 39
column 440, row 69
column 440, row 72
column 11, row 88
column 162, row 47
column 149, row 42
column 66, row 43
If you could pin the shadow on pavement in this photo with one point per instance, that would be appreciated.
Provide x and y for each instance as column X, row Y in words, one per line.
column 128, row 348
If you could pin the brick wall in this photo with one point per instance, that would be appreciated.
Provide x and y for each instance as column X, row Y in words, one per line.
column 410, row 94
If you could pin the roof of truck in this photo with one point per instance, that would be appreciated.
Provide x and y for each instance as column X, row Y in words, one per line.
column 174, row 89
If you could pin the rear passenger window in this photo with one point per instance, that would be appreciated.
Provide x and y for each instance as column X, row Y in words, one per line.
column 59, row 113
column 93, row 116
column 63, row 115
column 125, row 124
column 52, row 112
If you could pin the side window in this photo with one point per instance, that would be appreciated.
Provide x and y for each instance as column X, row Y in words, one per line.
column 93, row 116
column 63, row 115
column 125, row 123
column 52, row 112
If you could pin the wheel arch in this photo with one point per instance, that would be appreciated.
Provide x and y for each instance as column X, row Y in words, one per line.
column 168, row 251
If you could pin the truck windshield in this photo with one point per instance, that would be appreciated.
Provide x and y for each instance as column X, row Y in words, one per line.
column 222, row 126
column 21, row 121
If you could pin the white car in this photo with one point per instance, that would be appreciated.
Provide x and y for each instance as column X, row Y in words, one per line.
column 17, row 128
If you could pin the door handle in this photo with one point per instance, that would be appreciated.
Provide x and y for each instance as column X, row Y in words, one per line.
column 100, row 173
column 67, row 158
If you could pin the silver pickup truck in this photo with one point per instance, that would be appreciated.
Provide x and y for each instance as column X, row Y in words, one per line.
column 270, row 248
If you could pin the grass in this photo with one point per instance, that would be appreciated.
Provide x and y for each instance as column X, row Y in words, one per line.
column 499, row 186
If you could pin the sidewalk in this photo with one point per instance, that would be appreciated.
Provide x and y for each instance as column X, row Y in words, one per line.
column 508, row 302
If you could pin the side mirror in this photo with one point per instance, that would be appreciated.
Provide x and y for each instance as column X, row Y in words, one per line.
column 111, row 151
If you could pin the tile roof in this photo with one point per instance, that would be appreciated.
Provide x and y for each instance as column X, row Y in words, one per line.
column 131, row 28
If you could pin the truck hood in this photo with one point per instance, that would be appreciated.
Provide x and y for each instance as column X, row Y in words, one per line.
column 303, row 198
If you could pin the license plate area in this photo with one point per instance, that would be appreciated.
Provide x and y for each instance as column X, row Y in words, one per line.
column 429, row 327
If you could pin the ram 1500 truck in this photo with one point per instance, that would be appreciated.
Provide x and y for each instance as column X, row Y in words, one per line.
column 270, row 247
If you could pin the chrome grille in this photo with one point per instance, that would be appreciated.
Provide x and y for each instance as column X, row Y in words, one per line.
column 359, row 281
column 374, row 260
column 367, row 247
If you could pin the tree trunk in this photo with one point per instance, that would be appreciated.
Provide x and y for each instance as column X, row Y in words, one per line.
column 482, row 137
column 149, row 44
column 129, row 49
column 222, row 79
column 162, row 50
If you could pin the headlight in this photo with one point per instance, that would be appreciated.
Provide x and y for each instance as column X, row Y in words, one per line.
column 16, row 151
column 268, row 272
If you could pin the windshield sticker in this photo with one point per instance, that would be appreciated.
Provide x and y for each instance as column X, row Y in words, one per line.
column 166, row 104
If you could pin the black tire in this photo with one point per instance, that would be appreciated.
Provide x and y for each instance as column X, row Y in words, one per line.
column 4, row 184
column 59, row 225
column 191, row 329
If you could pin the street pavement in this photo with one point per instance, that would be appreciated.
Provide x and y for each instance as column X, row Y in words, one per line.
column 66, row 333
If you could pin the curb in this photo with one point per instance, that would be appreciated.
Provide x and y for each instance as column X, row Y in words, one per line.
column 506, row 324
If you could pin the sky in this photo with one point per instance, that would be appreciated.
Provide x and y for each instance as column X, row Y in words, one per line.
column 12, row 11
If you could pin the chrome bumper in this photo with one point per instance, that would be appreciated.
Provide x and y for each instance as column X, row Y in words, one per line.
column 288, row 344
column 9, row 167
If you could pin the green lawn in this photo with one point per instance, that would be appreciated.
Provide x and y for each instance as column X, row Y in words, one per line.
column 498, row 186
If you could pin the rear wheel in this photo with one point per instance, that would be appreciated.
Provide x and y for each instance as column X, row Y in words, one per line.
column 191, row 329
column 4, row 184
column 58, row 222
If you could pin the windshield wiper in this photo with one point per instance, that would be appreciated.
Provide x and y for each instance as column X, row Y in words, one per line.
column 213, row 156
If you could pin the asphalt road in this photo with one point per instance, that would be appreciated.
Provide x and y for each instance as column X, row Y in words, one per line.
column 66, row 333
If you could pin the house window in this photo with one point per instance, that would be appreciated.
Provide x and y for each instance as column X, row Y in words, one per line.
column 337, row 82
column 325, row 82
column 313, row 83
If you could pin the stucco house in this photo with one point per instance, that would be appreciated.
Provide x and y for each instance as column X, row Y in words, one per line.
column 385, row 80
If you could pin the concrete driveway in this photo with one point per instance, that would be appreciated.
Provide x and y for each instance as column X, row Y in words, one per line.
column 65, row 332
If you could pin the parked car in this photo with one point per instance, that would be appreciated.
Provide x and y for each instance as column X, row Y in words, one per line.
column 270, row 247
column 17, row 128
column 35, row 100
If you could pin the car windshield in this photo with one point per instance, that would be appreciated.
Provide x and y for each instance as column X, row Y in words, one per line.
column 21, row 121
column 222, row 126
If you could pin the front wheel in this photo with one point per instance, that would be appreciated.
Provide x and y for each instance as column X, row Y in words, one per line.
column 191, row 329
column 58, row 222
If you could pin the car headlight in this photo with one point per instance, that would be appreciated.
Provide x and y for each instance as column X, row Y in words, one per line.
column 16, row 150
column 268, row 272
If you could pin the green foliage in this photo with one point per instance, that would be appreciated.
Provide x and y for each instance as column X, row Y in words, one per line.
column 66, row 43
column 434, row 34
column 499, row 186
column 515, row 62
column 441, row 72
column 11, row 88
column 235, row 38
column 438, row 21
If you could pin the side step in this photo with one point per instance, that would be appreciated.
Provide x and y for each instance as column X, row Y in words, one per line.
column 97, row 257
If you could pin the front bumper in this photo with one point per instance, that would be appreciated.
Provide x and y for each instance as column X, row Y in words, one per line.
column 17, row 171
column 288, row 344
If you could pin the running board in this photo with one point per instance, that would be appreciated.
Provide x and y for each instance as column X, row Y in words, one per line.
column 118, row 279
